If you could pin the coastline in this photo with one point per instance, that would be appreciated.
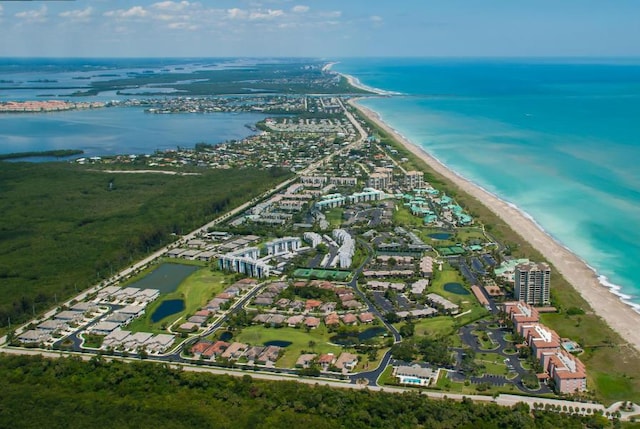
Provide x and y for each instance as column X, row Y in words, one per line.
column 606, row 301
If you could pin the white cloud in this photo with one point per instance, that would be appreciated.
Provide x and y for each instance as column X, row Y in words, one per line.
column 183, row 26
column 236, row 13
column 78, row 14
column 134, row 12
column 39, row 15
column 331, row 14
column 259, row 15
column 171, row 5
column 300, row 9
column 375, row 18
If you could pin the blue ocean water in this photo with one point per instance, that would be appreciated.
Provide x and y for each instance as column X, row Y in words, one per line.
column 559, row 139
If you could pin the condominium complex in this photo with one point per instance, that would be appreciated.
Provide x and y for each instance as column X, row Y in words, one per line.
column 532, row 283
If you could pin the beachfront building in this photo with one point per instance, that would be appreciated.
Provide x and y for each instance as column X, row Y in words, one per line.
column 568, row 373
column 379, row 180
column 414, row 179
column 532, row 283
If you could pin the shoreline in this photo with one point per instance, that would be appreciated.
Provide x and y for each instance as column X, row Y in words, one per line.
column 605, row 299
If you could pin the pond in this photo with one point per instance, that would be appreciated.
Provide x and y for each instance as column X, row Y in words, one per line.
column 166, row 278
column 167, row 308
column 456, row 288
column 351, row 339
column 226, row 336
column 440, row 235
column 278, row 343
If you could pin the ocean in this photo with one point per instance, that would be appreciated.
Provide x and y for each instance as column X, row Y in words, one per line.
column 559, row 139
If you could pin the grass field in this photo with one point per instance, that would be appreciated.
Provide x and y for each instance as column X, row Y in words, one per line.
column 196, row 290
column 300, row 341
column 334, row 217
column 403, row 217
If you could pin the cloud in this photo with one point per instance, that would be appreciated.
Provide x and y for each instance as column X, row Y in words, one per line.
column 259, row 15
column 236, row 13
column 134, row 12
column 183, row 26
column 171, row 5
column 300, row 9
column 39, row 15
column 376, row 18
column 77, row 14
column 331, row 14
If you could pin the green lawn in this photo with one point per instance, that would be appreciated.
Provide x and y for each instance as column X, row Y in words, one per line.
column 258, row 335
column 334, row 217
column 492, row 363
column 196, row 290
column 403, row 217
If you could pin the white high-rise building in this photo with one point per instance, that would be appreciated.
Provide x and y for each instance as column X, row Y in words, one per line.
column 533, row 283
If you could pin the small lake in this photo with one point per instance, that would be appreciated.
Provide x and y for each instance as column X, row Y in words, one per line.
column 456, row 288
column 440, row 235
column 278, row 343
column 166, row 278
column 226, row 336
column 347, row 340
column 167, row 308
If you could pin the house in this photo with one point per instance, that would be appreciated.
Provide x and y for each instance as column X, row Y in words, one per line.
column 312, row 304
column 34, row 336
column 277, row 320
column 352, row 304
column 283, row 303
column 312, row 322
column 305, row 360
column 294, row 321
column 332, row 319
column 263, row 301
column 198, row 320
column 269, row 355
column 326, row 360
column 104, row 327
column 52, row 325
column 347, row 361
column 160, row 343
column 234, row 351
column 415, row 375
column 70, row 316
column 349, row 319
column 202, row 313
column 328, row 307
column 366, row 317
column 253, row 353
column 85, row 307
column 188, row 327
column 115, row 338
column 215, row 349
column 262, row 318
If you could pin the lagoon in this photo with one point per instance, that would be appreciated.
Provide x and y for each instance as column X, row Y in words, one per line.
column 119, row 130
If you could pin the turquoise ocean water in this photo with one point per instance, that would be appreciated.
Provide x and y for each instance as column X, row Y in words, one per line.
column 558, row 139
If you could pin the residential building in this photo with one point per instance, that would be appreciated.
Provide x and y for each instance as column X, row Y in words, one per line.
column 532, row 283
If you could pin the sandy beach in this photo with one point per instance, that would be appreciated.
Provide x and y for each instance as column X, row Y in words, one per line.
column 619, row 316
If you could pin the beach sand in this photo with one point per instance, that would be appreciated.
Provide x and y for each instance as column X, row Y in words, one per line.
column 619, row 316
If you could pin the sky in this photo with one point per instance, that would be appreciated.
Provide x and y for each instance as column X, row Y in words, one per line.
column 320, row 28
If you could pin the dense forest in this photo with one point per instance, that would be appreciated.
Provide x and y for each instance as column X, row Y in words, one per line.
column 37, row 392
column 64, row 227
